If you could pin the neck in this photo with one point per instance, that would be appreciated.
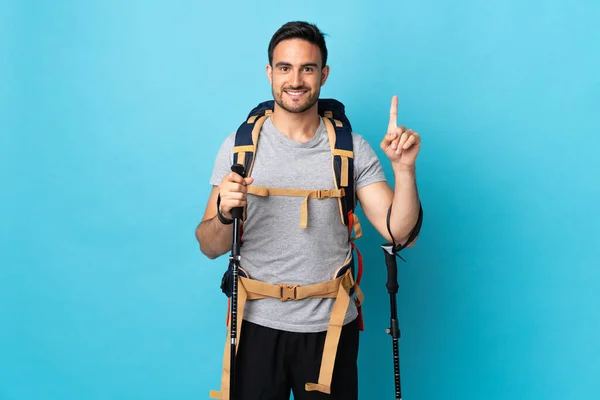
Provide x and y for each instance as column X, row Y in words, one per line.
column 300, row 127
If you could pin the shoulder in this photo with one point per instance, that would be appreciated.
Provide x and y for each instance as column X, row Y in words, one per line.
column 223, row 159
column 361, row 147
column 230, row 139
column 367, row 166
column 227, row 143
column 358, row 140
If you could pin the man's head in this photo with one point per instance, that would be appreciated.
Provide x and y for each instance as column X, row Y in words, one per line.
column 297, row 66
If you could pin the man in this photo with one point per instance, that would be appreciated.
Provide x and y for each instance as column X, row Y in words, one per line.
column 282, row 344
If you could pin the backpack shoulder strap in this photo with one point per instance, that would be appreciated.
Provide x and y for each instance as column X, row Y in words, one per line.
column 339, row 132
column 246, row 137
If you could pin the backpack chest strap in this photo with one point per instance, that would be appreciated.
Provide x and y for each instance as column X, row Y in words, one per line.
column 307, row 194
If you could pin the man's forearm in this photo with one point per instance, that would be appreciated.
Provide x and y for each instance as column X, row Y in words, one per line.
column 214, row 237
column 406, row 205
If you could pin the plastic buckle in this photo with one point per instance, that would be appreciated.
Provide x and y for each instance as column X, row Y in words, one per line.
column 288, row 292
column 322, row 194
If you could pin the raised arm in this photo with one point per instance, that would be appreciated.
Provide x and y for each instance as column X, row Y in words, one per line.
column 401, row 146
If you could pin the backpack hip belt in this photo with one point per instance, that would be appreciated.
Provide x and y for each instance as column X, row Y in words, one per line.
column 341, row 288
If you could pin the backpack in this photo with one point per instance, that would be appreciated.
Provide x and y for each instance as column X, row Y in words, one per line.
column 338, row 126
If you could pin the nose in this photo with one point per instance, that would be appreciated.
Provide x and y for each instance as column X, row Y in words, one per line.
column 297, row 79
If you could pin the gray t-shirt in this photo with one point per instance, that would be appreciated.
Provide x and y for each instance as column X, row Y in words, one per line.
column 276, row 250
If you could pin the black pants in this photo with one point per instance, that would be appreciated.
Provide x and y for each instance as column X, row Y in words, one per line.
column 271, row 363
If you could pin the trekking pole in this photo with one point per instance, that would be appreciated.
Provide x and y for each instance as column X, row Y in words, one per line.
column 234, row 259
column 393, row 330
column 391, row 252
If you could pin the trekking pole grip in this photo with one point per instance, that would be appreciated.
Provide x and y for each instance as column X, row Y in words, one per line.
column 239, row 169
column 392, row 269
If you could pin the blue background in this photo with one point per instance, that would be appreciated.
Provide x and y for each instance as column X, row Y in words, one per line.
column 112, row 112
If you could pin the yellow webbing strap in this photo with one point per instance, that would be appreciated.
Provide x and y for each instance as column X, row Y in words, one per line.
column 307, row 194
column 334, row 330
column 338, row 288
column 260, row 290
column 223, row 394
column 243, row 149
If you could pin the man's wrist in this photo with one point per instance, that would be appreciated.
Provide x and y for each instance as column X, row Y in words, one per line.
column 404, row 170
column 224, row 220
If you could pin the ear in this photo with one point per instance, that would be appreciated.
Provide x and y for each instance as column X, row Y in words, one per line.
column 324, row 74
column 270, row 73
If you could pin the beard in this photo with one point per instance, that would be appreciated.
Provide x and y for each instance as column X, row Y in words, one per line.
column 309, row 99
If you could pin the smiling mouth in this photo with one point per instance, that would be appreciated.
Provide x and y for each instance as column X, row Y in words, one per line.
column 295, row 93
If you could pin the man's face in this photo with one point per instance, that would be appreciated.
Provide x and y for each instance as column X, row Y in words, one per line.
column 296, row 75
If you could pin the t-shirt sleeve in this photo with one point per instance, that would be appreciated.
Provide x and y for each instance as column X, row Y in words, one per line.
column 223, row 161
column 367, row 167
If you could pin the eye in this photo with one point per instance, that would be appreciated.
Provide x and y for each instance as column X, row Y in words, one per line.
column 308, row 69
column 283, row 69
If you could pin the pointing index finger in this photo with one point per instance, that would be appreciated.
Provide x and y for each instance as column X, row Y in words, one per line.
column 393, row 114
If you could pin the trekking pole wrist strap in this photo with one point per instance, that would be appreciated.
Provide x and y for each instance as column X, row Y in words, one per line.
column 413, row 234
column 224, row 221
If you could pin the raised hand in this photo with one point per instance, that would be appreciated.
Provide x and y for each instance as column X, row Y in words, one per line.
column 400, row 145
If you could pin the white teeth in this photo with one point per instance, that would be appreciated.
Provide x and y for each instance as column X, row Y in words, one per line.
column 295, row 93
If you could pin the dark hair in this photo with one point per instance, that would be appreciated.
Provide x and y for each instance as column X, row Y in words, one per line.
column 299, row 30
